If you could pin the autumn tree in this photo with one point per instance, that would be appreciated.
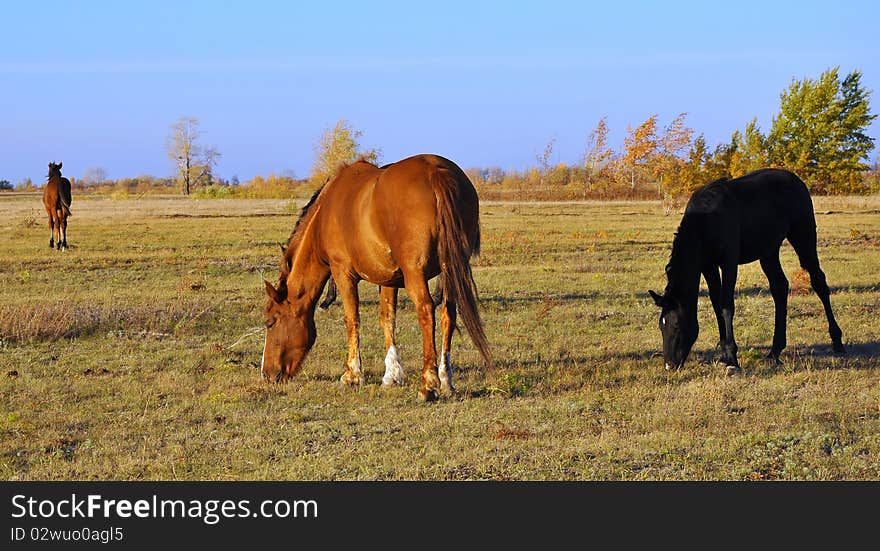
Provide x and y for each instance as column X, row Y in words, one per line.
column 751, row 150
column 672, row 148
column 193, row 161
column 819, row 131
column 598, row 156
column 337, row 146
column 693, row 173
column 639, row 147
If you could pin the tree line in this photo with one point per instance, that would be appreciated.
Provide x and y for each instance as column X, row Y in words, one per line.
column 819, row 133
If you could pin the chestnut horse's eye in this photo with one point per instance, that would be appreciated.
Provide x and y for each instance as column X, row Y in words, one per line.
column 270, row 322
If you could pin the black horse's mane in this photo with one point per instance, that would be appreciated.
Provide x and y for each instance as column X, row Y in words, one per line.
column 686, row 243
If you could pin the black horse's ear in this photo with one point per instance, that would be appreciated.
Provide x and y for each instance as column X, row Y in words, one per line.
column 283, row 248
column 273, row 292
column 658, row 300
column 60, row 164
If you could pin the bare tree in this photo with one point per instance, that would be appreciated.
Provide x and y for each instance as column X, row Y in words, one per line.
column 194, row 162
column 94, row 176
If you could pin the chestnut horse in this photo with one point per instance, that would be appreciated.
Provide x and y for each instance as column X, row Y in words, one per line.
column 395, row 226
column 56, row 199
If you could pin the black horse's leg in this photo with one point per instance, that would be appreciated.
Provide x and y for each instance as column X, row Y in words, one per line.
column 329, row 296
column 804, row 243
column 728, row 346
column 437, row 295
column 779, row 289
column 713, row 280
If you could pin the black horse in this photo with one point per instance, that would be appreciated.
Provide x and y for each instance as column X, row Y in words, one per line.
column 732, row 222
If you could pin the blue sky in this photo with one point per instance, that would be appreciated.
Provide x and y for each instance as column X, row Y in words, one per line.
column 97, row 84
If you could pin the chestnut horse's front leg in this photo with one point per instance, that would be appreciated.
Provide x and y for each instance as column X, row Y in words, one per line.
column 417, row 289
column 347, row 287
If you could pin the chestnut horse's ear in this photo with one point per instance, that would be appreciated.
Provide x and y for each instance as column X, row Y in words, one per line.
column 658, row 300
column 283, row 248
column 272, row 292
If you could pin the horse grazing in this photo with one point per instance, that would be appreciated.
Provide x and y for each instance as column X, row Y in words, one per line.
column 395, row 226
column 732, row 222
column 56, row 199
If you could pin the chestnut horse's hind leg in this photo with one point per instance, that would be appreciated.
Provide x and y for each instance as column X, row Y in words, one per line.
column 387, row 319
column 417, row 289
column 51, row 232
column 62, row 232
column 348, row 289
column 59, row 216
column 447, row 325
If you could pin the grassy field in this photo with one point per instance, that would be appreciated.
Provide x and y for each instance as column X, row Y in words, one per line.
column 133, row 356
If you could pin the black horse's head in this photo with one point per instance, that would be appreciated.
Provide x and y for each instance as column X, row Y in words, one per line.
column 679, row 330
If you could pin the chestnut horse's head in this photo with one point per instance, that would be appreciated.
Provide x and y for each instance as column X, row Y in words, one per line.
column 290, row 334
column 55, row 169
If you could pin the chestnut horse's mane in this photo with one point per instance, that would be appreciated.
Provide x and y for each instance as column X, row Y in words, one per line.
column 296, row 236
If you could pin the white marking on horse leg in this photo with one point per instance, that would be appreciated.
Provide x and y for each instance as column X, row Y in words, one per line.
column 667, row 366
column 445, row 372
column 393, row 369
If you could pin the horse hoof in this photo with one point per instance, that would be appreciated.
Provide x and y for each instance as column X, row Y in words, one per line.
column 774, row 357
column 428, row 395
column 386, row 381
column 839, row 349
column 351, row 382
column 733, row 370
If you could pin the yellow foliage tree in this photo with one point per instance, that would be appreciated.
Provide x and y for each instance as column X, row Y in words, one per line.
column 639, row 147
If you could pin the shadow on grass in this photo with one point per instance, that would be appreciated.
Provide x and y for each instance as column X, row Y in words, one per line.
column 853, row 350
column 765, row 291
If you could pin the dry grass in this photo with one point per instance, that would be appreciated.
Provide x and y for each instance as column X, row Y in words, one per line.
column 133, row 356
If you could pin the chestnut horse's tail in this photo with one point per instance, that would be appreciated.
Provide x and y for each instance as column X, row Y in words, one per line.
column 455, row 250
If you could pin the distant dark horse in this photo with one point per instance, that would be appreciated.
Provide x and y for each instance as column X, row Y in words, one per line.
column 732, row 222
column 56, row 199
